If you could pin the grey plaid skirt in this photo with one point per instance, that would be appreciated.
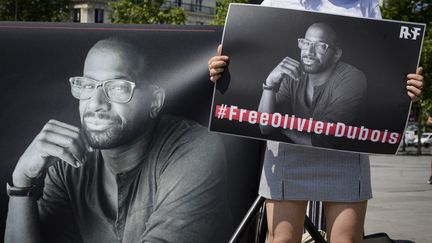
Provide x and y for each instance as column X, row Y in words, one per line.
column 293, row 172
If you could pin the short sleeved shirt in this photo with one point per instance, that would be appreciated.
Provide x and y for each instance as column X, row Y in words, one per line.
column 340, row 99
column 177, row 194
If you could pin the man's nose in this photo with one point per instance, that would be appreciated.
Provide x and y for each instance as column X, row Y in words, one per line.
column 310, row 49
column 98, row 100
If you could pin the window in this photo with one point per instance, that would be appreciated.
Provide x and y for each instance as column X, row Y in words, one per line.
column 178, row 3
column 99, row 15
column 76, row 15
column 198, row 5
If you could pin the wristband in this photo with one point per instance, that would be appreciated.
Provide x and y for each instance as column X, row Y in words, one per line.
column 13, row 191
column 271, row 88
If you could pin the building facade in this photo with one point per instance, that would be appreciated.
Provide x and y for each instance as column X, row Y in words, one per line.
column 90, row 11
column 197, row 11
column 98, row 11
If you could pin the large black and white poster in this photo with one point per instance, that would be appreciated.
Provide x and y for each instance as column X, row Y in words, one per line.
column 316, row 79
column 112, row 118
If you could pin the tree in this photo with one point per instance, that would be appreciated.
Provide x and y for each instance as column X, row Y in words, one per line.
column 34, row 10
column 416, row 11
column 145, row 12
column 222, row 10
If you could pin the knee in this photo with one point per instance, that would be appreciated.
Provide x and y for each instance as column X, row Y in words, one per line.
column 345, row 239
column 279, row 238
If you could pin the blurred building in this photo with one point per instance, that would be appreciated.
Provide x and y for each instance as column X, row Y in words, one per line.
column 91, row 11
column 197, row 11
column 98, row 11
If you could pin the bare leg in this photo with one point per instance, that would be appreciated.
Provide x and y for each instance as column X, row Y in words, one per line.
column 285, row 220
column 345, row 221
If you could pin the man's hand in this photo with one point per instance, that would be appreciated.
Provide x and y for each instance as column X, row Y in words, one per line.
column 217, row 64
column 287, row 67
column 56, row 140
column 415, row 84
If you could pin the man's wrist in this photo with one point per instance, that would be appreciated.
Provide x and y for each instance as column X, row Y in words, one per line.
column 21, row 180
column 13, row 191
column 274, row 88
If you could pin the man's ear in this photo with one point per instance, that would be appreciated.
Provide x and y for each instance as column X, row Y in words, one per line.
column 337, row 55
column 158, row 99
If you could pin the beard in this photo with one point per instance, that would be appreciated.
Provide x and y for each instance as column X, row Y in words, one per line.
column 116, row 134
column 312, row 65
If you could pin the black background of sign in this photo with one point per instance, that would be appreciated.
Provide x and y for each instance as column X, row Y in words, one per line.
column 37, row 60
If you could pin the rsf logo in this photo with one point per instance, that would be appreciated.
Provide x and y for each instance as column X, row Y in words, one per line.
column 410, row 33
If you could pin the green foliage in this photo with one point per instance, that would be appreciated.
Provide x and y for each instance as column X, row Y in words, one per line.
column 145, row 12
column 34, row 10
column 416, row 11
column 222, row 10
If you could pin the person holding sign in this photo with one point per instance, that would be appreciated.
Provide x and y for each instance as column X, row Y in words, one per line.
column 292, row 175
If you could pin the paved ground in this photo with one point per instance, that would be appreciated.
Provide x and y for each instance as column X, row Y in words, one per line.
column 402, row 203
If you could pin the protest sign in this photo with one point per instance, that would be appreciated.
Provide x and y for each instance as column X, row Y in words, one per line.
column 316, row 79
column 54, row 71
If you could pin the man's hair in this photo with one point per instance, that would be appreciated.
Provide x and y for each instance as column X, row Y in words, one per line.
column 328, row 30
column 128, row 50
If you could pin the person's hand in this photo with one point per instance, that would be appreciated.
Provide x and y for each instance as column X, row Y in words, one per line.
column 415, row 84
column 217, row 64
column 287, row 67
column 56, row 140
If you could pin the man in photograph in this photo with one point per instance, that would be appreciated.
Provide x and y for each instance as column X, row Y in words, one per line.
column 128, row 174
column 319, row 86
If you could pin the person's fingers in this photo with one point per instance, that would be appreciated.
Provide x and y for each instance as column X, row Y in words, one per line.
column 287, row 68
column 219, row 50
column 291, row 67
column 290, row 60
column 215, row 78
column 53, row 127
column 216, row 71
column 413, row 97
column 217, row 67
column 292, row 71
column 75, row 146
column 217, row 64
column 67, row 130
column 62, row 124
column 60, row 152
column 216, row 59
column 416, row 83
column 419, row 71
column 413, row 92
column 275, row 78
column 65, row 135
column 418, row 77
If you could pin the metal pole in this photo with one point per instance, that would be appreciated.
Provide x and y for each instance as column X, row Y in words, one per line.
column 313, row 231
column 16, row 10
column 419, row 145
column 236, row 237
